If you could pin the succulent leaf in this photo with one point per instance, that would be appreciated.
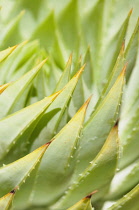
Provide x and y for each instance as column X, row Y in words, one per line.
column 60, row 103
column 5, row 201
column 92, row 178
column 14, row 174
column 60, row 164
column 99, row 125
column 5, row 53
column 129, row 201
column 84, row 204
column 9, row 99
column 18, row 123
column 124, row 181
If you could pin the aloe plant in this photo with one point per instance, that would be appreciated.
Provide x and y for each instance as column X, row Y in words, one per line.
column 69, row 105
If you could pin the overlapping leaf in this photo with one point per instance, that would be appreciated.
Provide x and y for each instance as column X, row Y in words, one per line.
column 20, row 126
column 129, row 201
column 98, row 126
column 98, row 173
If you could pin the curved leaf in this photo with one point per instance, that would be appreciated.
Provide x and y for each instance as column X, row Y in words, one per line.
column 99, row 125
column 14, row 174
column 124, row 181
column 99, row 173
column 84, row 204
column 3, row 87
column 5, row 53
column 60, row 103
column 18, row 123
column 129, row 201
column 5, row 201
column 10, row 100
column 58, row 161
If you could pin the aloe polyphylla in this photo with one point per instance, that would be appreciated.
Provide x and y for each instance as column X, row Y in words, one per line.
column 69, row 105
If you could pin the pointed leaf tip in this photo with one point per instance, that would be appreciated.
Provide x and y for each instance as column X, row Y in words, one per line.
column 48, row 143
column 123, row 70
column 13, row 48
column 13, row 191
column 123, row 46
column 3, row 87
column 116, row 124
column 22, row 12
column 43, row 62
column 130, row 12
column 85, row 105
column 90, row 195
column 80, row 71
column 69, row 60
column 87, row 101
column 54, row 95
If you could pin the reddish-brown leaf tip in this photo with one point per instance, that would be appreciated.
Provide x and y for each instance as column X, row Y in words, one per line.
column 130, row 12
column 116, row 124
column 13, row 191
column 90, row 195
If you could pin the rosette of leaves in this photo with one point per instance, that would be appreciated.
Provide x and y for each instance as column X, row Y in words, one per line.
column 60, row 148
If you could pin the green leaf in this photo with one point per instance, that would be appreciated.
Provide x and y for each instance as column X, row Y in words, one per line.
column 46, row 32
column 10, row 33
column 21, row 55
column 47, row 132
column 114, row 48
column 14, row 174
column 20, row 123
column 132, row 50
column 119, row 65
column 5, row 53
column 99, row 125
column 57, row 165
column 64, row 79
column 129, row 120
column 124, row 181
column 5, row 201
column 67, row 22
column 88, row 75
column 84, row 204
column 105, row 46
column 59, row 53
column 99, row 173
column 129, row 201
column 11, row 100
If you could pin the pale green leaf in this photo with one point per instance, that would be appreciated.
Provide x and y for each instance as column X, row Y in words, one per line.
column 47, row 132
column 58, row 162
column 129, row 201
column 67, row 22
column 11, row 30
column 99, row 125
column 132, row 50
column 5, row 201
column 14, row 174
column 21, row 55
column 5, row 53
column 46, row 32
column 10, row 100
column 113, row 50
column 65, row 76
column 20, row 125
column 84, row 204
column 119, row 65
column 128, row 126
column 99, row 173
column 124, row 181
